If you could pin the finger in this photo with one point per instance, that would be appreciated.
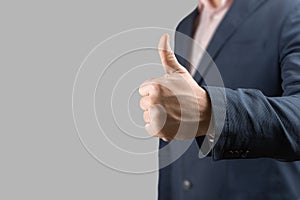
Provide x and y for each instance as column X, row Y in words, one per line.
column 144, row 90
column 168, row 58
column 157, row 118
column 145, row 102
column 150, row 130
column 166, row 139
column 146, row 116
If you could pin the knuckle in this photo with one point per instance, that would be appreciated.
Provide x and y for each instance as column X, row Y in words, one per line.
column 142, row 103
column 140, row 90
column 153, row 99
column 146, row 116
column 157, row 87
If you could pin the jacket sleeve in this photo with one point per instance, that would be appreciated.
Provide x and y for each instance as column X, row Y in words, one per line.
column 260, row 126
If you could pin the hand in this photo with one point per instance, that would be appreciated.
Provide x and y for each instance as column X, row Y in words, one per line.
column 175, row 106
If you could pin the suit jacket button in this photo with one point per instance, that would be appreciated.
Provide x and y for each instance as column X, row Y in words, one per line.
column 245, row 154
column 228, row 154
column 186, row 185
column 237, row 154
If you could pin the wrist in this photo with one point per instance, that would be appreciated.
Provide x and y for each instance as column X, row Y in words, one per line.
column 204, row 104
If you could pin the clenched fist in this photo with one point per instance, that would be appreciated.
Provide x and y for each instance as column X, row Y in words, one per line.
column 175, row 106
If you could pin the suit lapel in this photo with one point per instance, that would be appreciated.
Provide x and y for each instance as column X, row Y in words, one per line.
column 238, row 13
column 183, row 34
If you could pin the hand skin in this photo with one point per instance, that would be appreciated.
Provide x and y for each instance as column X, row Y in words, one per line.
column 216, row 3
column 174, row 104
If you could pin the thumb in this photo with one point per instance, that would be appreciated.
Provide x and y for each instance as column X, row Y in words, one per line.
column 167, row 56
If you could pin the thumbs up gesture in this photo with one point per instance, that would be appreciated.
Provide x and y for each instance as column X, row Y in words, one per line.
column 175, row 106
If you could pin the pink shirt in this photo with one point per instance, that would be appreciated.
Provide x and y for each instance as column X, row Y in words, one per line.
column 209, row 19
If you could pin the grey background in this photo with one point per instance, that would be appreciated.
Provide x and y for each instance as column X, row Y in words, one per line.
column 42, row 44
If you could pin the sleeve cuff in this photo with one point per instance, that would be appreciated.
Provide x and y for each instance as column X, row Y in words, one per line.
column 213, row 143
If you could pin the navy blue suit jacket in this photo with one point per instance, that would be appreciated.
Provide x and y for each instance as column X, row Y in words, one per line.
column 257, row 51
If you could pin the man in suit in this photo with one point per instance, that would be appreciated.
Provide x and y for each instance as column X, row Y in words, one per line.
column 256, row 46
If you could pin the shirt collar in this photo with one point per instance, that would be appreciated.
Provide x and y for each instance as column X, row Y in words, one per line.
column 207, row 4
